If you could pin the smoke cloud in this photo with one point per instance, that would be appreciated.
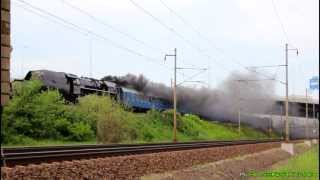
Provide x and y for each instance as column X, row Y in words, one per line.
column 238, row 92
column 239, row 95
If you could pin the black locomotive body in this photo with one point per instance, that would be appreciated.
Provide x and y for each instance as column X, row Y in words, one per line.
column 72, row 87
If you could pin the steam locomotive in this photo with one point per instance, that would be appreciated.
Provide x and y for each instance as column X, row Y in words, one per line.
column 72, row 87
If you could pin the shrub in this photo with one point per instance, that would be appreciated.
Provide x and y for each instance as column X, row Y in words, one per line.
column 80, row 132
column 167, row 117
column 113, row 122
column 35, row 113
column 21, row 140
column 190, row 125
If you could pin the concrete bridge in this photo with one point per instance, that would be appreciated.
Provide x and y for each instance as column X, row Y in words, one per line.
column 298, row 106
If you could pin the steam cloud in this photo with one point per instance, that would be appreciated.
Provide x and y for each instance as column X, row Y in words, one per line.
column 238, row 91
column 222, row 103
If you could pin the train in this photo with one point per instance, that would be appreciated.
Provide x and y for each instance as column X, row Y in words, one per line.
column 72, row 87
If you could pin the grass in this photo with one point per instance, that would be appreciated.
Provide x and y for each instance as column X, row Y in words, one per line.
column 154, row 127
column 149, row 130
column 39, row 118
column 302, row 166
column 49, row 142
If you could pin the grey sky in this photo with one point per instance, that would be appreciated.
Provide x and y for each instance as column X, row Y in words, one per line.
column 247, row 31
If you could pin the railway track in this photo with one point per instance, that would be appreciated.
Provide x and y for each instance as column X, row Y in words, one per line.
column 36, row 155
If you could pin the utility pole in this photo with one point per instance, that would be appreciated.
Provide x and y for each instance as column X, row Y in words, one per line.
column 270, row 125
column 175, row 98
column 174, row 95
column 287, row 92
column 287, row 100
column 209, row 76
column 239, row 119
column 175, row 90
column 307, row 115
column 239, row 109
column 281, row 114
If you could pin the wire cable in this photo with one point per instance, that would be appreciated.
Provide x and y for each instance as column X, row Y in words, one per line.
column 104, row 23
column 172, row 30
column 209, row 41
column 72, row 26
column 191, row 77
column 285, row 34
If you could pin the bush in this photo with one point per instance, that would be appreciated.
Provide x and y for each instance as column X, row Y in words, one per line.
column 80, row 132
column 21, row 140
column 113, row 121
column 167, row 117
column 35, row 113
column 190, row 125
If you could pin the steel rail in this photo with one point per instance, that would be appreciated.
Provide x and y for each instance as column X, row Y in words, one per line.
column 35, row 155
column 66, row 147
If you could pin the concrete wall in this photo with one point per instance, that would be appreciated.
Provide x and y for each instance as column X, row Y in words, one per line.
column 5, row 51
column 297, row 109
column 299, row 127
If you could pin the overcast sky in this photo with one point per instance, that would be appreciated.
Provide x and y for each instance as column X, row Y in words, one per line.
column 233, row 32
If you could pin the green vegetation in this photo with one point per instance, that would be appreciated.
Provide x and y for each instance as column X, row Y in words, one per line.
column 40, row 117
column 34, row 115
column 50, row 142
column 302, row 166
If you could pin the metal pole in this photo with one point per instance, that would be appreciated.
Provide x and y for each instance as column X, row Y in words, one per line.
column 174, row 94
column 281, row 114
column 239, row 120
column 239, row 109
column 307, row 115
column 270, row 125
column 287, row 98
column 209, row 76
column 175, row 98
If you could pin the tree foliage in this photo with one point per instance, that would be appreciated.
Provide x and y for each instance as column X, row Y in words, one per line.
column 34, row 113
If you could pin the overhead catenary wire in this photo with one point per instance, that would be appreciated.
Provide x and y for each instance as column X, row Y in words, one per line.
column 104, row 23
column 87, row 31
column 48, row 18
column 191, row 77
column 210, row 41
column 285, row 34
column 56, row 19
column 99, row 36
column 172, row 30
column 108, row 25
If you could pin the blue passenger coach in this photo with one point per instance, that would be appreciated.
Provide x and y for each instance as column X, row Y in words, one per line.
column 136, row 100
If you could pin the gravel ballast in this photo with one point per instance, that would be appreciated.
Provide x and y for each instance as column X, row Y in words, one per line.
column 231, row 168
column 131, row 166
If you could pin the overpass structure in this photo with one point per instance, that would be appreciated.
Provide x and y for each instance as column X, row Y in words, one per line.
column 299, row 106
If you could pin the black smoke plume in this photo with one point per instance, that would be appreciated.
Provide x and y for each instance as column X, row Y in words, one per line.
column 238, row 91
column 244, row 95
